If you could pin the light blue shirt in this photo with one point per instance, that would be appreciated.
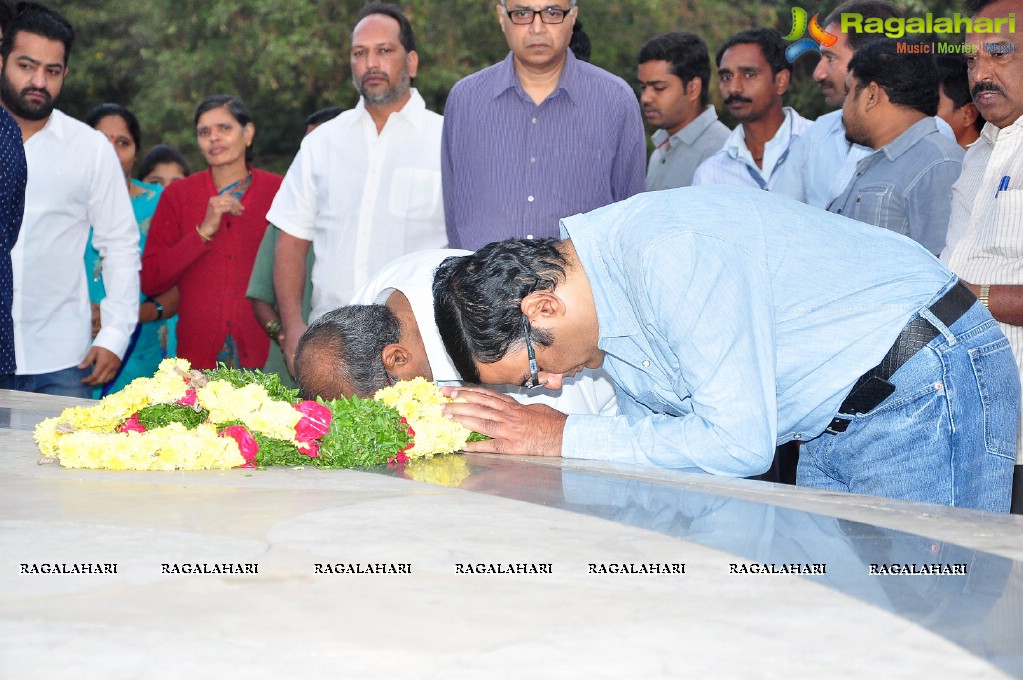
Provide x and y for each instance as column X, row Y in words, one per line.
column 821, row 163
column 733, row 163
column 734, row 320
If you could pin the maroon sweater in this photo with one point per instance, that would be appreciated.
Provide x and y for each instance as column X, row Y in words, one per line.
column 211, row 277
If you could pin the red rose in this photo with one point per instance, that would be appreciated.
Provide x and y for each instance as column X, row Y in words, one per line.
column 132, row 425
column 315, row 421
column 246, row 444
column 187, row 400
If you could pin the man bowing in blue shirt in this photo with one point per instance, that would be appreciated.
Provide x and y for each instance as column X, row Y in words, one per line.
column 732, row 321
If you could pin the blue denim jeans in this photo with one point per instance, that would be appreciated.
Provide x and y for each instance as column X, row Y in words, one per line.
column 66, row 382
column 947, row 434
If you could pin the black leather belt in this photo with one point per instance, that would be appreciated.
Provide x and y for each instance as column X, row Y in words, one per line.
column 873, row 387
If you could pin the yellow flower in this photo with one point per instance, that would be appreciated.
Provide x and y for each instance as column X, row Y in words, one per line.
column 421, row 404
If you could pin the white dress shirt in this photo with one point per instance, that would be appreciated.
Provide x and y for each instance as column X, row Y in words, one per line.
column 734, row 163
column 984, row 243
column 587, row 393
column 74, row 181
column 363, row 198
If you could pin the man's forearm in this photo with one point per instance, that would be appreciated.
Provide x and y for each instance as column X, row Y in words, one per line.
column 289, row 277
column 1004, row 301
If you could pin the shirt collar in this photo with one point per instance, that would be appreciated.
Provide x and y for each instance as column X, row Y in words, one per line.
column 689, row 134
column 414, row 111
column 507, row 79
column 990, row 132
column 909, row 138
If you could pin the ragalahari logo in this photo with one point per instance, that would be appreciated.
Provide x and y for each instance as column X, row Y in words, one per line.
column 818, row 36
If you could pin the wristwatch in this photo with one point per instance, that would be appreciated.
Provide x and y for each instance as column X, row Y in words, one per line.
column 985, row 294
column 273, row 328
column 159, row 308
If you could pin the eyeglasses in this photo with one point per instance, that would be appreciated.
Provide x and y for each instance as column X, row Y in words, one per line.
column 548, row 15
column 387, row 376
column 534, row 377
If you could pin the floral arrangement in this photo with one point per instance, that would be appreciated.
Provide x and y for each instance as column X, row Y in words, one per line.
column 185, row 419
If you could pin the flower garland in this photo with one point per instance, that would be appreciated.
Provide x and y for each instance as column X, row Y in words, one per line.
column 185, row 419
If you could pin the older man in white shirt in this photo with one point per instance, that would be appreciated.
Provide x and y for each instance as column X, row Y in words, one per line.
column 366, row 186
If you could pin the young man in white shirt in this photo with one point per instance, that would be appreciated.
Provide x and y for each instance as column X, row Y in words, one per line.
column 74, row 181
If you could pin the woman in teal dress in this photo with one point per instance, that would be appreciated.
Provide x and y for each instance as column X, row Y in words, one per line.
column 150, row 340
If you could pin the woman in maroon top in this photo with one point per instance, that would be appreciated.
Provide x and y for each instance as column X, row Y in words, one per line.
column 204, row 237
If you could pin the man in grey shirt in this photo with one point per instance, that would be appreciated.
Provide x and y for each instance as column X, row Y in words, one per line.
column 674, row 70
column 906, row 184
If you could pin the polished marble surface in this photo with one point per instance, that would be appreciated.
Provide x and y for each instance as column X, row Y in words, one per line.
column 290, row 621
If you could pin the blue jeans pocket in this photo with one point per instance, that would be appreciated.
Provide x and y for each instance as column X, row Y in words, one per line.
column 998, row 382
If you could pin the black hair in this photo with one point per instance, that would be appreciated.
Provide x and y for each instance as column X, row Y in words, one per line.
column 234, row 105
column 105, row 110
column 955, row 83
column 868, row 9
column 162, row 153
column 38, row 19
column 405, row 34
column 687, row 55
column 771, row 45
column 345, row 344
column 323, row 115
column 580, row 42
column 477, row 298
column 909, row 79
column 6, row 14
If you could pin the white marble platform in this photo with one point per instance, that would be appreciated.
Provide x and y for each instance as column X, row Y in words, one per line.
column 287, row 621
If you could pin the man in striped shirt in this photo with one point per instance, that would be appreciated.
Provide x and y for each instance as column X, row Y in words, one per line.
column 538, row 136
column 985, row 233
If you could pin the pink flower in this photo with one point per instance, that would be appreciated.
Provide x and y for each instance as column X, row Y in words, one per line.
column 311, row 449
column 246, row 444
column 132, row 425
column 188, row 399
column 315, row 422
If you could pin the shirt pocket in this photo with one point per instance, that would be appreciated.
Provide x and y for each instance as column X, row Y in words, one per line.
column 415, row 193
column 1004, row 228
column 873, row 205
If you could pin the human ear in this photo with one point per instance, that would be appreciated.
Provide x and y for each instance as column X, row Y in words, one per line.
column 542, row 305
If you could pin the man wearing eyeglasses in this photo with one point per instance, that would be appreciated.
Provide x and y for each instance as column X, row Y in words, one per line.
column 539, row 136
column 726, row 336
column 388, row 334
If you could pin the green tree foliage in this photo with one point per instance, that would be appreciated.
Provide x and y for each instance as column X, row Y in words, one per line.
column 288, row 59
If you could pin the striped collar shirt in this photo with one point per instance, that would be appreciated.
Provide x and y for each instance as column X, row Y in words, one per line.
column 513, row 169
column 734, row 163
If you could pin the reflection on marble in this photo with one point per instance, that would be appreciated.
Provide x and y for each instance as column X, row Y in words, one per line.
column 293, row 620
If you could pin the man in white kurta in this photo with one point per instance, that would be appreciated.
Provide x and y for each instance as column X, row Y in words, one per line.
column 365, row 187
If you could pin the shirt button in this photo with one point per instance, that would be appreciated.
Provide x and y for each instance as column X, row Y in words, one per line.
column 532, row 160
column 534, row 120
column 529, row 237
column 646, row 364
column 530, row 199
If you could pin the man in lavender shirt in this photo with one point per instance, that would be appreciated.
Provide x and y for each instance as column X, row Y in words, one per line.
column 538, row 136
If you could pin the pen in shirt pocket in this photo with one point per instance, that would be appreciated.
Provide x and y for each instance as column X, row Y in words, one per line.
column 1002, row 186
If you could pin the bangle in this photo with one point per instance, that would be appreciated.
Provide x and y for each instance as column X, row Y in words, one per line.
column 206, row 239
column 159, row 308
column 985, row 294
column 273, row 328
